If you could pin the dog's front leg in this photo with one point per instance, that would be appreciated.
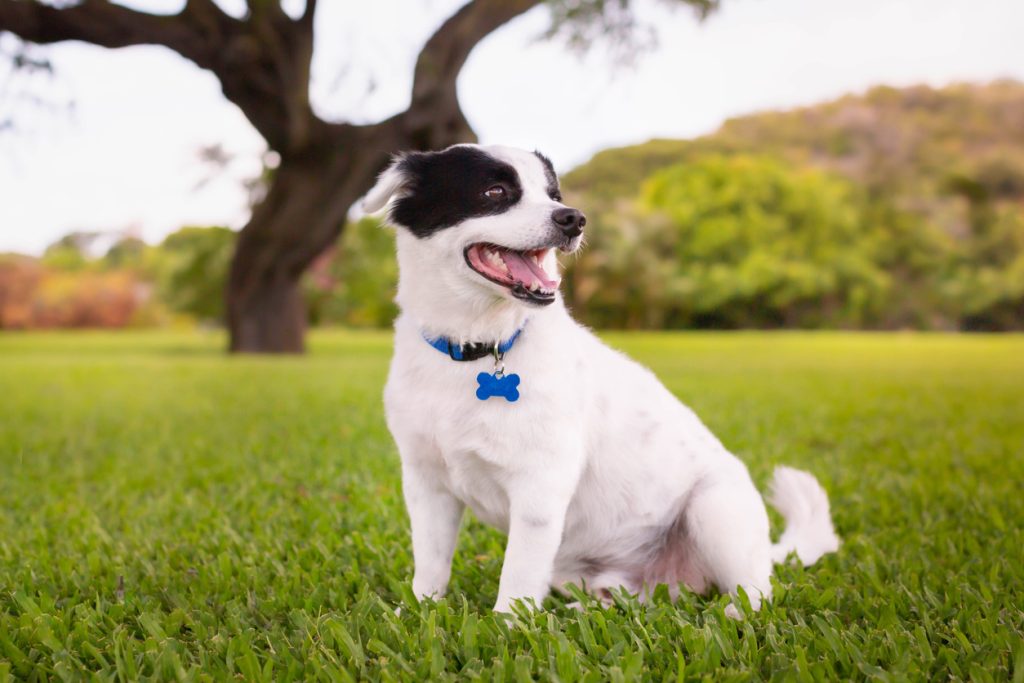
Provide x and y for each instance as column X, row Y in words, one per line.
column 536, row 519
column 434, row 514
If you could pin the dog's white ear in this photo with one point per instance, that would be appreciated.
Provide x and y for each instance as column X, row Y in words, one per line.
column 390, row 183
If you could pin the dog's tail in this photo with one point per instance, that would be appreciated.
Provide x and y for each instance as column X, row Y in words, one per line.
column 803, row 503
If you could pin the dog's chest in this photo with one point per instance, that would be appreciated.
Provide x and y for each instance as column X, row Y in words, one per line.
column 479, row 483
column 473, row 454
column 475, row 443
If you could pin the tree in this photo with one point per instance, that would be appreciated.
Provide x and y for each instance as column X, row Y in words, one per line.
column 70, row 252
column 263, row 63
column 127, row 253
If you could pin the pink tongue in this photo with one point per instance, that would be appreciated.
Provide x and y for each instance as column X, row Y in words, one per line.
column 524, row 270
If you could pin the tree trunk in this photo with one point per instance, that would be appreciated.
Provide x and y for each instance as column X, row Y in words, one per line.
column 301, row 216
column 304, row 212
column 269, row 318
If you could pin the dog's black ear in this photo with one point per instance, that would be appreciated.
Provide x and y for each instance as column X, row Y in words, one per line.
column 391, row 184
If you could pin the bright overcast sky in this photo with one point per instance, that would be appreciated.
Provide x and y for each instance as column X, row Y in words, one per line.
column 125, row 156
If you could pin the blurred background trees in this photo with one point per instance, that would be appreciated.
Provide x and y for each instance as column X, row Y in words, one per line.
column 899, row 208
column 190, row 271
column 738, row 241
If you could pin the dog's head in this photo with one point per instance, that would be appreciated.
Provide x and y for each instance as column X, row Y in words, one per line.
column 490, row 216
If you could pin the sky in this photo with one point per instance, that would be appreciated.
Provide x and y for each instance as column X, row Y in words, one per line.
column 114, row 146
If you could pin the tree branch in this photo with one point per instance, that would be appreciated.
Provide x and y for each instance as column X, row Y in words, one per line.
column 308, row 13
column 265, row 8
column 446, row 51
column 109, row 25
column 262, row 63
column 434, row 118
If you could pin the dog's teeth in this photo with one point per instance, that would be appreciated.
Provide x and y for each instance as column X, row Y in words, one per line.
column 494, row 258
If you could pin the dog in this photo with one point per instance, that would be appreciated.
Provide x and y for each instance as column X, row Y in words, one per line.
column 500, row 402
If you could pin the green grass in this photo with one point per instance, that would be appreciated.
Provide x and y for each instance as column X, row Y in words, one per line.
column 167, row 512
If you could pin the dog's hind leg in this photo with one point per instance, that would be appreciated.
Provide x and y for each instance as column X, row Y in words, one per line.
column 728, row 535
column 600, row 585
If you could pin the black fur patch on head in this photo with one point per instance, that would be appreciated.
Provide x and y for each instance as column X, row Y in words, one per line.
column 443, row 189
column 549, row 172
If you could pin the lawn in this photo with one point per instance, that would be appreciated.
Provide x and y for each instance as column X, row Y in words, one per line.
column 167, row 512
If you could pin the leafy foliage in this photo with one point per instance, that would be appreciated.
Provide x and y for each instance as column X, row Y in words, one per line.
column 582, row 24
column 131, row 283
column 733, row 242
column 935, row 203
column 355, row 284
column 192, row 268
column 65, row 289
column 159, row 522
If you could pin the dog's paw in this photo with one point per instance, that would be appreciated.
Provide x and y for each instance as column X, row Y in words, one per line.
column 514, row 606
column 503, row 607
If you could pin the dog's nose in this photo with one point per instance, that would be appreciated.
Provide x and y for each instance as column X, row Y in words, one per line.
column 569, row 221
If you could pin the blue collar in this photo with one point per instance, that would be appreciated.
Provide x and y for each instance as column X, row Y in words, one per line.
column 474, row 350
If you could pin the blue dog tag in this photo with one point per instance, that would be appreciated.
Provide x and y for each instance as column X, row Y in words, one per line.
column 498, row 384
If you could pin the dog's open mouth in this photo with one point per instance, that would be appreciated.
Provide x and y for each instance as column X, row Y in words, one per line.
column 522, row 272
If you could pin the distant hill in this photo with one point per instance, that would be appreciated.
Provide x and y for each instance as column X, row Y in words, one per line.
column 897, row 208
column 918, row 138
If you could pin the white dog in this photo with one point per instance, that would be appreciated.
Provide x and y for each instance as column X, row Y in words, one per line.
column 499, row 401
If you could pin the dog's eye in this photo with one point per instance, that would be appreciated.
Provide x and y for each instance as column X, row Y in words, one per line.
column 495, row 192
column 556, row 196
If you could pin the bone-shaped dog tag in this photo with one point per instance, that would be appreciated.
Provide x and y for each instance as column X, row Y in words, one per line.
column 498, row 384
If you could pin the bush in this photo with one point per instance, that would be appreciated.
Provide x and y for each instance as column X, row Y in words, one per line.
column 733, row 242
column 191, row 269
column 34, row 296
column 355, row 284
